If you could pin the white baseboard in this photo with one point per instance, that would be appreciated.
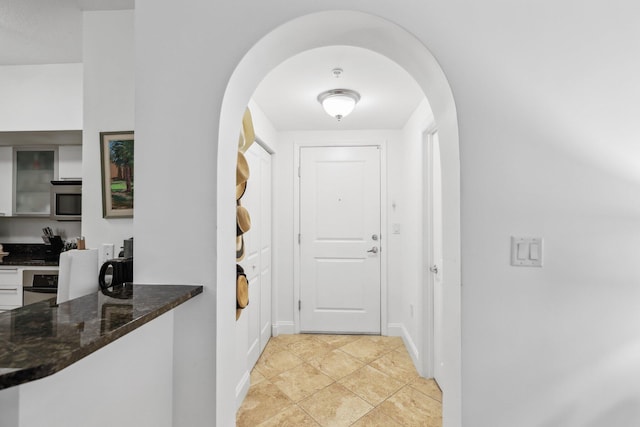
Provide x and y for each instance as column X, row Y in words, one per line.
column 283, row 328
column 399, row 330
column 242, row 388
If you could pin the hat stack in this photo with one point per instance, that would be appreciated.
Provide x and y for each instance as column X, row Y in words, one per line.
column 243, row 220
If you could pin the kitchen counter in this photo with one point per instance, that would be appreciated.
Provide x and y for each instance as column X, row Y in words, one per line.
column 28, row 254
column 27, row 261
column 43, row 338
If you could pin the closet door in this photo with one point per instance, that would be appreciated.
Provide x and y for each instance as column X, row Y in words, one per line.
column 257, row 262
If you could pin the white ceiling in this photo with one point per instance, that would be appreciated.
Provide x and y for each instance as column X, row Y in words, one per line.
column 288, row 94
column 50, row 31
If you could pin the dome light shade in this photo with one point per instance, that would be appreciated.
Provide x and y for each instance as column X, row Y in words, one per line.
column 339, row 103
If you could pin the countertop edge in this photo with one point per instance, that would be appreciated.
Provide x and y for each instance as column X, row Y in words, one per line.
column 45, row 369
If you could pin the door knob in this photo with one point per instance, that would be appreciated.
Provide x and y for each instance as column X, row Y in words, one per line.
column 434, row 269
column 373, row 250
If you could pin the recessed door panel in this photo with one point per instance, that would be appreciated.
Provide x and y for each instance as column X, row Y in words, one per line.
column 339, row 255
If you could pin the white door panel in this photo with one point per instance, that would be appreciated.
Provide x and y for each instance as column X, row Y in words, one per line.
column 257, row 261
column 339, row 215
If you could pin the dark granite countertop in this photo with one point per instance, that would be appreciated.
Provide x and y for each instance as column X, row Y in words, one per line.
column 26, row 261
column 28, row 254
column 41, row 339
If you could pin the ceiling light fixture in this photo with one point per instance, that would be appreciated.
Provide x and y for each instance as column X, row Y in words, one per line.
column 339, row 103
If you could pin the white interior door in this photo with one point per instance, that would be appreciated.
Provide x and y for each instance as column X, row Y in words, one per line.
column 265, row 248
column 257, row 262
column 438, row 302
column 434, row 302
column 340, row 239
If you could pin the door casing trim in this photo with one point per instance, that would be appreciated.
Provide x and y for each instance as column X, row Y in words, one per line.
column 382, row 143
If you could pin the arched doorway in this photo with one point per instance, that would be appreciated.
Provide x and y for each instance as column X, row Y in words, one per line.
column 376, row 34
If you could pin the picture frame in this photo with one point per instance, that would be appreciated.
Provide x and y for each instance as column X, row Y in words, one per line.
column 116, row 159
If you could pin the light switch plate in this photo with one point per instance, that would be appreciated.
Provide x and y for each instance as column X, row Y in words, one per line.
column 107, row 251
column 526, row 251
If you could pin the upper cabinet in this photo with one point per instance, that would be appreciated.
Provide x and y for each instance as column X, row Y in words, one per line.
column 6, row 180
column 33, row 171
column 29, row 161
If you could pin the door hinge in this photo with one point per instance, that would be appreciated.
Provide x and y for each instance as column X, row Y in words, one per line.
column 299, row 238
column 298, row 171
column 299, row 305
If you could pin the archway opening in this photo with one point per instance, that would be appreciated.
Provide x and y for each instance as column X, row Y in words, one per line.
column 302, row 34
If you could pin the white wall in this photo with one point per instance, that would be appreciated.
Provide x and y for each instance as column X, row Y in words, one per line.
column 41, row 97
column 108, row 55
column 546, row 98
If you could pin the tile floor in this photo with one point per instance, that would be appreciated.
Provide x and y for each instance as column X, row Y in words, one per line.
column 338, row 380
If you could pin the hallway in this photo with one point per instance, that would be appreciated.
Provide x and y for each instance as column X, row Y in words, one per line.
column 338, row 380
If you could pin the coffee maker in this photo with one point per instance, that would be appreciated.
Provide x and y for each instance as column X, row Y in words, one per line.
column 118, row 271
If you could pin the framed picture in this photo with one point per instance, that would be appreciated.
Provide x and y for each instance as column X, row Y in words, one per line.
column 116, row 153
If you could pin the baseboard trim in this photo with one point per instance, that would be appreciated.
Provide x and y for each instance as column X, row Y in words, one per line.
column 283, row 328
column 399, row 330
column 242, row 388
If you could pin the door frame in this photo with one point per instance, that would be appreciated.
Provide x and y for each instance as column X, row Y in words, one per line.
column 428, row 299
column 382, row 143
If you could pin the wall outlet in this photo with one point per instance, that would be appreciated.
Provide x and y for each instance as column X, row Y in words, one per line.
column 107, row 251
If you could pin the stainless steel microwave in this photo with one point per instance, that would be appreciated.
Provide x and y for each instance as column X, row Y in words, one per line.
column 66, row 200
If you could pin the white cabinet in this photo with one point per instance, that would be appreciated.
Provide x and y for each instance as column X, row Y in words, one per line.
column 10, row 287
column 70, row 161
column 31, row 186
column 6, row 180
column 33, row 171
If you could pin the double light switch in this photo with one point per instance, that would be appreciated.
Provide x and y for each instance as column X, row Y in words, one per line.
column 526, row 251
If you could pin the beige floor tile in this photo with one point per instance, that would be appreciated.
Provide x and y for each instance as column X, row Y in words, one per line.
column 397, row 364
column 309, row 348
column 366, row 349
column 375, row 418
column 263, row 401
column 390, row 343
column 371, row 384
column 256, row 377
column 286, row 339
column 335, row 406
column 336, row 364
column 273, row 364
column 412, row 408
column 293, row 416
column 337, row 340
column 301, row 381
column 429, row 387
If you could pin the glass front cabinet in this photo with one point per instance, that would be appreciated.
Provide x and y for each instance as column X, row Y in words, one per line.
column 34, row 169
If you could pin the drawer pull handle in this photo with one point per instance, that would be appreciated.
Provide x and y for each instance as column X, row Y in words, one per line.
column 8, row 270
column 9, row 290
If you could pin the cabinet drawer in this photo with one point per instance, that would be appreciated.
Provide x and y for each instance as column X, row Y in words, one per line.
column 10, row 295
column 10, row 276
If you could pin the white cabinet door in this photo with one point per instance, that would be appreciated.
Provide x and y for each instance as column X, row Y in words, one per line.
column 6, row 180
column 70, row 162
column 10, row 287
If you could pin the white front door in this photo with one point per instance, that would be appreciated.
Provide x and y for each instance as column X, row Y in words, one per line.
column 340, row 239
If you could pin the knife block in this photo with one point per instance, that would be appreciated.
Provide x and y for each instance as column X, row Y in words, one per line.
column 53, row 247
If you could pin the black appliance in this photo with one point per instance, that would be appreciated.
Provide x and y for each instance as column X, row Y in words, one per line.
column 66, row 200
column 116, row 271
